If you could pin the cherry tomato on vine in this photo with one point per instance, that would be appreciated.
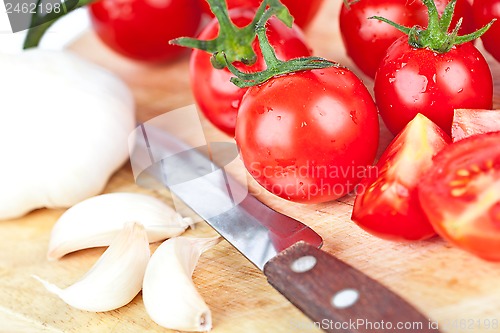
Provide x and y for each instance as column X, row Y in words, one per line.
column 367, row 40
column 308, row 136
column 302, row 11
column 141, row 29
column 469, row 122
column 215, row 95
column 411, row 81
column 387, row 205
column 484, row 12
column 461, row 194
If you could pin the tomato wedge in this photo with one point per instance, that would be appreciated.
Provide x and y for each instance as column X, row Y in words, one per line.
column 461, row 195
column 387, row 205
column 468, row 122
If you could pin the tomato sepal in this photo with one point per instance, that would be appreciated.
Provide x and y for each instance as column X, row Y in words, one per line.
column 436, row 36
column 235, row 42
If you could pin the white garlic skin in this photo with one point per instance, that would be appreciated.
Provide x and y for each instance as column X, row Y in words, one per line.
column 65, row 130
column 96, row 221
column 169, row 294
column 115, row 279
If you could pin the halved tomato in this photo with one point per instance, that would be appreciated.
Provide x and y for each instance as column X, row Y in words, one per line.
column 461, row 194
column 387, row 205
column 468, row 122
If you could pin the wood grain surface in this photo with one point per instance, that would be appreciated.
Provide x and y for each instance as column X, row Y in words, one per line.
column 459, row 291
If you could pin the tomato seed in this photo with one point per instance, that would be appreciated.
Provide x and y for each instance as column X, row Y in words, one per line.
column 475, row 168
column 459, row 182
column 458, row 192
column 463, row 173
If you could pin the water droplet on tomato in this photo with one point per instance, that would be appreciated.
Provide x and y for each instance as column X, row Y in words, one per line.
column 447, row 69
column 460, row 90
column 278, row 117
column 270, row 109
column 353, row 116
column 235, row 104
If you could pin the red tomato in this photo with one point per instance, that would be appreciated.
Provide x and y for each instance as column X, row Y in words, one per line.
column 387, row 205
column 411, row 81
column 367, row 40
column 216, row 96
column 461, row 195
column 308, row 136
column 484, row 12
column 303, row 11
column 467, row 122
column 141, row 29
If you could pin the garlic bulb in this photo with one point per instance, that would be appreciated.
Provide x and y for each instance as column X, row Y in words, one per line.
column 96, row 221
column 168, row 292
column 115, row 279
column 65, row 130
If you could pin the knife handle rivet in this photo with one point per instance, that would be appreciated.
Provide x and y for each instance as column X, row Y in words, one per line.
column 303, row 264
column 345, row 298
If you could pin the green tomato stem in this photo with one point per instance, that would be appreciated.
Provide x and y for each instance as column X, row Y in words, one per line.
column 235, row 42
column 37, row 30
column 436, row 36
column 275, row 66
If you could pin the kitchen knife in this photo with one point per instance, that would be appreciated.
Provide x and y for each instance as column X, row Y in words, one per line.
column 336, row 296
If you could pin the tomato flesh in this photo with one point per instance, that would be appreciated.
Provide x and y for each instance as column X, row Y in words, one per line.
column 387, row 205
column 308, row 136
column 469, row 122
column 461, row 195
column 216, row 96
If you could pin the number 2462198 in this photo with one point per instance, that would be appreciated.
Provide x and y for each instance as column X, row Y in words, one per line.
column 32, row 8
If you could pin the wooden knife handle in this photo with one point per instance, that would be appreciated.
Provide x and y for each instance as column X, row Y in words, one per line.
column 339, row 298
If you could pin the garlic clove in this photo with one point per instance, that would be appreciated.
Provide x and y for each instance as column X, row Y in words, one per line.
column 96, row 221
column 115, row 279
column 169, row 294
column 80, row 116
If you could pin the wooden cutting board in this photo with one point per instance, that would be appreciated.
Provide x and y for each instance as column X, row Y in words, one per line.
column 457, row 290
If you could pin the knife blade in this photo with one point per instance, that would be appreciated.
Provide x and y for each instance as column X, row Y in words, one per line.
column 336, row 296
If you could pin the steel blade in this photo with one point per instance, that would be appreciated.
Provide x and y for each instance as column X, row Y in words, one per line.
column 198, row 177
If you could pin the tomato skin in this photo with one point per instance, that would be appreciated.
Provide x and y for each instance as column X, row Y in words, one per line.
column 308, row 136
column 367, row 40
column 461, row 195
column 484, row 12
column 303, row 11
column 141, row 29
column 411, row 81
column 388, row 205
column 216, row 96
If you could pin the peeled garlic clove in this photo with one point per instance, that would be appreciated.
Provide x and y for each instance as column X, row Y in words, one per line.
column 115, row 279
column 169, row 294
column 96, row 221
